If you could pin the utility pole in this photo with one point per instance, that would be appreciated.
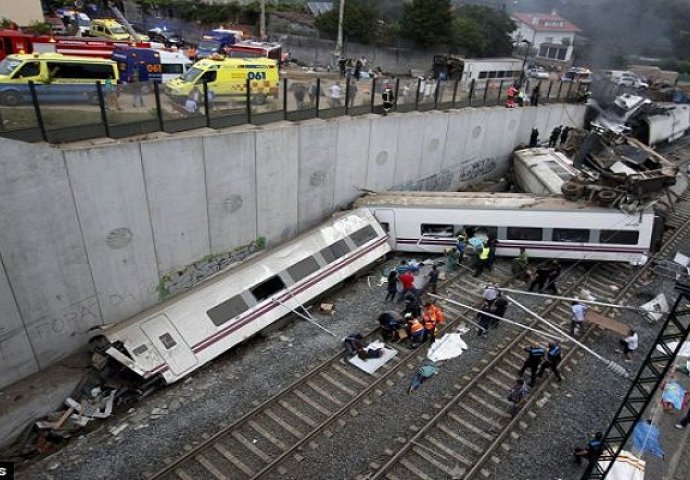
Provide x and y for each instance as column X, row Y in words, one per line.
column 338, row 50
column 262, row 22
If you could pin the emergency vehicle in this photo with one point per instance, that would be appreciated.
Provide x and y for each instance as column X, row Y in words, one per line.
column 227, row 77
column 215, row 41
column 160, row 65
column 112, row 30
column 249, row 49
column 17, row 42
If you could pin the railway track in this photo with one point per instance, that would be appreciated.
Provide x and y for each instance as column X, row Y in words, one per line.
column 471, row 428
column 276, row 436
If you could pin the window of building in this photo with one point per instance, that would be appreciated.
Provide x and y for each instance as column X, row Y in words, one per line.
column 437, row 230
column 525, row 233
column 267, row 288
column 548, row 40
column 573, row 235
column 501, row 74
column 167, row 341
column 226, row 311
column 303, row 268
column 543, row 51
column 482, row 75
column 562, row 52
column 492, row 74
column 621, row 237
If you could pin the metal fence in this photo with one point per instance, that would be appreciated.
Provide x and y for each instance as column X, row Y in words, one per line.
column 67, row 113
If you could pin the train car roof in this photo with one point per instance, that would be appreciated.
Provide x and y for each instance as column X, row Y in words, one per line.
column 479, row 200
column 282, row 251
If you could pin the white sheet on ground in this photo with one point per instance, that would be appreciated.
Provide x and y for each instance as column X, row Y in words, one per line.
column 656, row 307
column 684, row 350
column 450, row 346
column 626, row 467
column 370, row 365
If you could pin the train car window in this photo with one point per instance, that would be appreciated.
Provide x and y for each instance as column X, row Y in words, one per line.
column 167, row 341
column 303, row 268
column 488, row 231
column 575, row 235
column 267, row 288
column 363, row 235
column 333, row 252
column 385, row 226
column 621, row 237
column 437, row 230
column 140, row 350
column 525, row 233
column 227, row 310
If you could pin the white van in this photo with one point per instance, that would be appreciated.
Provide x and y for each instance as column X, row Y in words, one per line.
column 626, row 78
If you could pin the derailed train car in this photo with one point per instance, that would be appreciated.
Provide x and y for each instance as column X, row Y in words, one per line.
column 546, row 226
column 180, row 335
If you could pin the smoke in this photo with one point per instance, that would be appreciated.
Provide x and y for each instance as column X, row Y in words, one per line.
column 613, row 29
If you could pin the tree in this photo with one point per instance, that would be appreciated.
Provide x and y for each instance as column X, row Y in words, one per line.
column 360, row 21
column 468, row 36
column 495, row 27
column 428, row 22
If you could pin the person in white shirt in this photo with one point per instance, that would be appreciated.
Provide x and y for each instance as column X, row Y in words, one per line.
column 578, row 320
column 335, row 95
column 629, row 344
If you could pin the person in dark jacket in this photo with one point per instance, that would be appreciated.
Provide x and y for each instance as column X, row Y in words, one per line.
column 535, row 355
column 534, row 138
column 553, row 358
column 392, row 285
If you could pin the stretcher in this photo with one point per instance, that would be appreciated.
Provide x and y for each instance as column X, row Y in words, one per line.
column 602, row 321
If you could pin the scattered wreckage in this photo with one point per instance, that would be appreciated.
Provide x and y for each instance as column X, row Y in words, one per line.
column 605, row 167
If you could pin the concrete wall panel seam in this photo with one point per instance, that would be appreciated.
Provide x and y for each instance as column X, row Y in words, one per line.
column 148, row 208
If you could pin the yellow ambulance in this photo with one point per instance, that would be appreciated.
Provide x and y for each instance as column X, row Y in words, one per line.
column 227, row 77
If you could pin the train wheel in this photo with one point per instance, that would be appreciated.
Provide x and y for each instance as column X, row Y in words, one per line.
column 572, row 190
column 606, row 197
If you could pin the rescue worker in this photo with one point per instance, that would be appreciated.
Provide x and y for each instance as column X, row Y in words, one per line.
column 390, row 321
column 435, row 311
column 554, row 273
column 407, row 282
column 499, row 309
column 492, row 243
column 534, row 138
column 429, row 322
column 388, row 98
column 460, row 246
column 490, row 294
column 432, row 280
column 483, row 320
column 517, row 396
column 553, row 358
column 392, row 285
column 579, row 312
column 511, row 92
column 452, row 260
column 591, row 452
column 543, row 273
column 412, row 306
column 533, row 360
column 555, row 135
column 519, row 265
column 415, row 330
column 482, row 260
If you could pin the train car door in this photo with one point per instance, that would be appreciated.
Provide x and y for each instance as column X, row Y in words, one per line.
column 386, row 218
column 168, row 341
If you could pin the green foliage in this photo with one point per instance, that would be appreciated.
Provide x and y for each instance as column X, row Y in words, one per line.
column 162, row 288
column 260, row 243
column 5, row 22
column 428, row 22
column 360, row 20
column 494, row 26
column 41, row 28
column 468, row 36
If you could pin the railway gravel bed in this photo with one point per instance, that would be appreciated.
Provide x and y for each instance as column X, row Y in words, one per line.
column 178, row 418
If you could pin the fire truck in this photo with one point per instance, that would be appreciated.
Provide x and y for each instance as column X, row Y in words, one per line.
column 15, row 41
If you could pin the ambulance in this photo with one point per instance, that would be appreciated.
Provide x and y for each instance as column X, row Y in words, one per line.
column 227, row 77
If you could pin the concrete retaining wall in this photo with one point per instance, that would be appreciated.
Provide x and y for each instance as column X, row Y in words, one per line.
column 93, row 235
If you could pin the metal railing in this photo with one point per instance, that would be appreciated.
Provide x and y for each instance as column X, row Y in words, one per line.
column 59, row 113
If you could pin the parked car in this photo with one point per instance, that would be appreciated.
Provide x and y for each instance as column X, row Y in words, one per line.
column 577, row 74
column 538, row 72
column 166, row 37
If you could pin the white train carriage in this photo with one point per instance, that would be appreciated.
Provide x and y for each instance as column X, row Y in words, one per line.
column 549, row 227
column 182, row 334
column 541, row 171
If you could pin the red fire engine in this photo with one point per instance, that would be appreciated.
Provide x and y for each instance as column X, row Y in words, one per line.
column 14, row 41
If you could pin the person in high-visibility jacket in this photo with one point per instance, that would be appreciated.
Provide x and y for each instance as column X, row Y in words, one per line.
column 435, row 312
column 482, row 260
column 429, row 323
column 416, row 331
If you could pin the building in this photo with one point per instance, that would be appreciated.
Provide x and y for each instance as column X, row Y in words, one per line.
column 22, row 13
column 550, row 35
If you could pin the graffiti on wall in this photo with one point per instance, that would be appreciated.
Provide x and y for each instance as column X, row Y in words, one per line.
column 72, row 320
column 476, row 169
column 189, row 276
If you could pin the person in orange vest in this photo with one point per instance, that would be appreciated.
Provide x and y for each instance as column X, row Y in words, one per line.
column 429, row 323
column 416, row 330
column 435, row 312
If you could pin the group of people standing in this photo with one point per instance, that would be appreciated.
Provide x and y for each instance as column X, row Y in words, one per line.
column 558, row 137
column 517, row 96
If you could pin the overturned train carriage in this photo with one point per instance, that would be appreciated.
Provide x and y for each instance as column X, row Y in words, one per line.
column 180, row 335
column 548, row 227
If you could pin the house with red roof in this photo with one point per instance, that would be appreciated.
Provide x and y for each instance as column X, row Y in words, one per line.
column 551, row 35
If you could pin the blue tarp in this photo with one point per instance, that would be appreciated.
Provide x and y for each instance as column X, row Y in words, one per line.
column 646, row 439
